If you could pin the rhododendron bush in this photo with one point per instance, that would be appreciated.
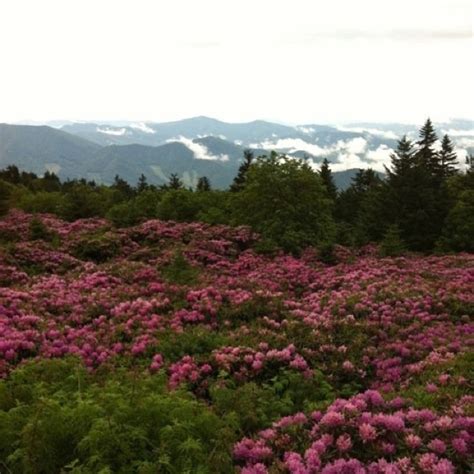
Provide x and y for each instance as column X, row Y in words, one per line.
column 300, row 367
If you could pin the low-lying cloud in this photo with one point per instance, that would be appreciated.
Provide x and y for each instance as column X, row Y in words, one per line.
column 199, row 150
column 112, row 131
column 344, row 154
column 373, row 131
column 143, row 127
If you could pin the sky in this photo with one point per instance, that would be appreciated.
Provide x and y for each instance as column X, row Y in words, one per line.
column 294, row 61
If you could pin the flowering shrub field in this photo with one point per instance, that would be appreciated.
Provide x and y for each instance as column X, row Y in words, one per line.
column 172, row 347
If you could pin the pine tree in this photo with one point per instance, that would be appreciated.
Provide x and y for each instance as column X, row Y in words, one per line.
column 447, row 157
column 203, row 184
column 239, row 180
column 403, row 158
column 142, row 184
column 174, row 182
column 426, row 156
column 415, row 198
column 392, row 244
column 125, row 190
column 328, row 179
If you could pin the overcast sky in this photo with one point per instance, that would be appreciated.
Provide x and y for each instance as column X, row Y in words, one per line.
column 293, row 61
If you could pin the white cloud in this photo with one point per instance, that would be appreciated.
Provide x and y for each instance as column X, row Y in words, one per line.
column 110, row 131
column 291, row 145
column 372, row 131
column 459, row 133
column 199, row 150
column 143, row 127
column 306, row 129
column 379, row 157
column 348, row 161
column 356, row 145
column 465, row 142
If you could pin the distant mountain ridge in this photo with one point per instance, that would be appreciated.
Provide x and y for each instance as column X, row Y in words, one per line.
column 202, row 146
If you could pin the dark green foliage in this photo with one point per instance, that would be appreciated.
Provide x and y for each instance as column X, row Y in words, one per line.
column 197, row 341
column 265, row 246
column 326, row 254
column 416, row 199
column 174, row 182
column 239, row 180
column 82, row 201
column 359, row 209
column 142, row 184
column 215, row 207
column 123, row 190
column 255, row 406
column 131, row 212
column 285, row 200
column 178, row 205
column 203, row 184
column 458, row 230
column 328, row 179
column 97, row 247
column 41, row 201
column 426, row 156
column 39, row 231
column 447, row 158
column 392, row 244
column 180, row 271
column 5, row 191
column 54, row 415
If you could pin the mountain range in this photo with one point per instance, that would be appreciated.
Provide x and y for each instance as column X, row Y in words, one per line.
column 203, row 146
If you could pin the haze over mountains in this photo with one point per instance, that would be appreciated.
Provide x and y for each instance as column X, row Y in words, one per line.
column 203, row 146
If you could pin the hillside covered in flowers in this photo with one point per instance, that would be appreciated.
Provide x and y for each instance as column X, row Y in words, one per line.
column 185, row 347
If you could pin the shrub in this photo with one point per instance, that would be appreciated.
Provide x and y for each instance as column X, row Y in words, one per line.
column 97, row 247
column 180, row 271
column 392, row 244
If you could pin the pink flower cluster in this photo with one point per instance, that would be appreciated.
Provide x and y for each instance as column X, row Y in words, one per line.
column 369, row 325
column 245, row 362
column 352, row 433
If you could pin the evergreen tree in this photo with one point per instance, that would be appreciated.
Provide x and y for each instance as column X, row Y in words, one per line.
column 359, row 211
column 447, row 158
column 124, row 189
column 392, row 244
column 50, row 182
column 414, row 199
column 239, row 180
column 426, row 155
column 403, row 158
column 142, row 184
column 174, row 182
column 203, row 184
column 328, row 179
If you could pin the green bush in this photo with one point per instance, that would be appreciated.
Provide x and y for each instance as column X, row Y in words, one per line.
column 392, row 244
column 56, row 418
column 97, row 247
column 39, row 231
column 180, row 271
column 285, row 200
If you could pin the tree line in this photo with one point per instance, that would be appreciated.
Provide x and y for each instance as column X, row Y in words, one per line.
column 424, row 204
